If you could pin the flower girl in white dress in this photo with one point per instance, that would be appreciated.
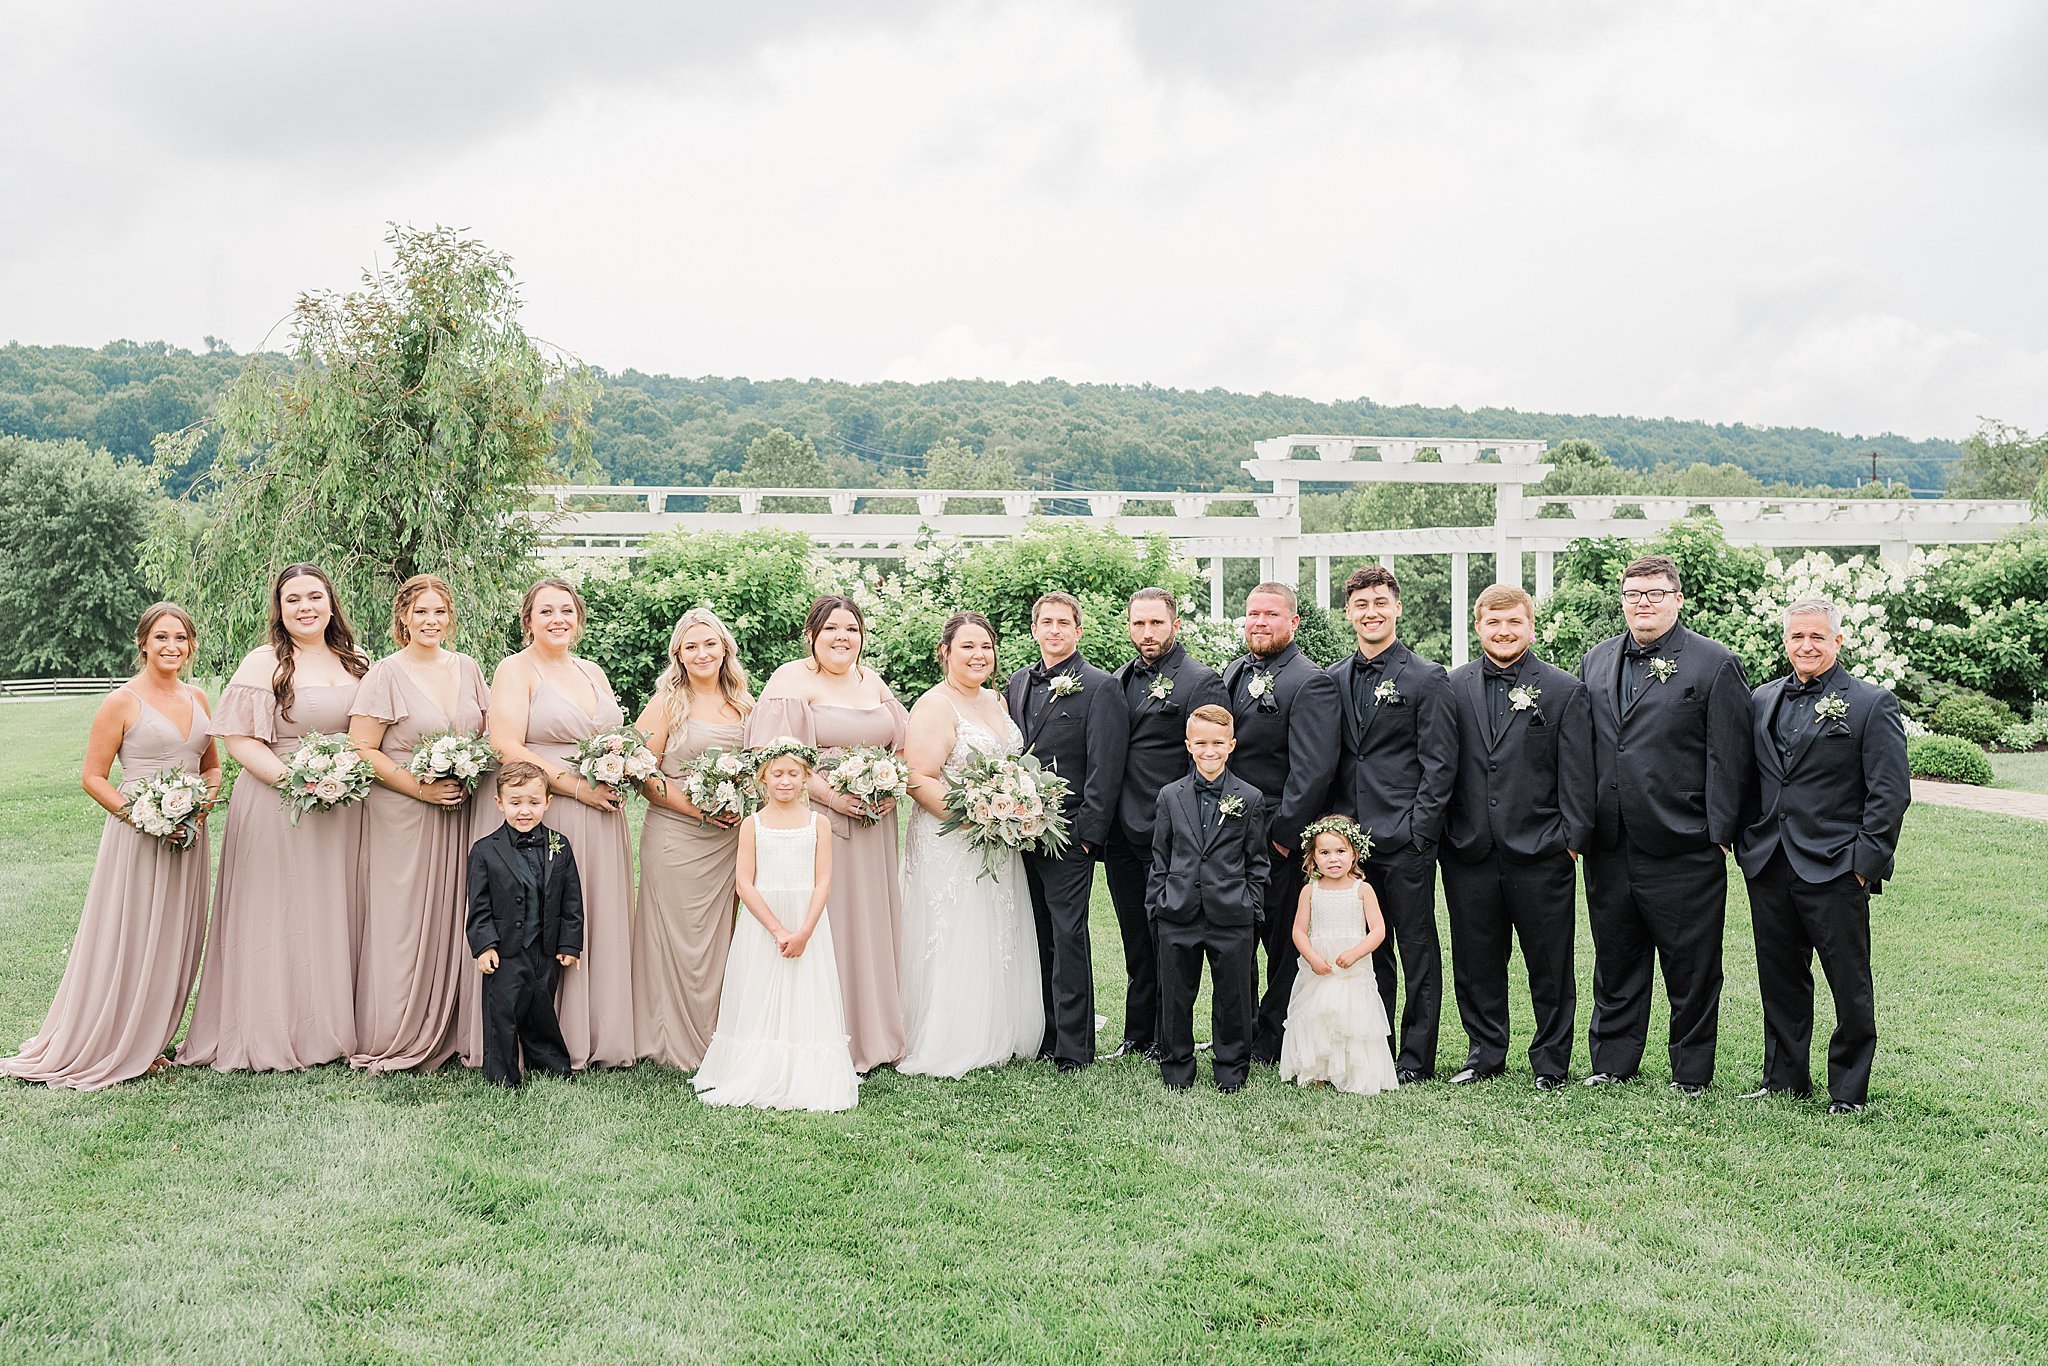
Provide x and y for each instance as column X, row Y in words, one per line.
column 1336, row 1022
column 781, row 1038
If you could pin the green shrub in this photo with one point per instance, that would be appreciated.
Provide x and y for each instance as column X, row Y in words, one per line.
column 1945, row 756
column 1970, row 715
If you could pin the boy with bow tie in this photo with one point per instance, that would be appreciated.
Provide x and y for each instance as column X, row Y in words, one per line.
column 525, row 923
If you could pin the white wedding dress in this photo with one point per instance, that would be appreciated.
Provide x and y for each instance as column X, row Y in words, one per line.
column 970, row 983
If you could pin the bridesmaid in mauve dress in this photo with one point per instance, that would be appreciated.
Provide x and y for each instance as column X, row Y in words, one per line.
column 278, row 991
column 543, row 701
column 413, row 957
column 684, row 920
column 131, row 965
column 833, row 701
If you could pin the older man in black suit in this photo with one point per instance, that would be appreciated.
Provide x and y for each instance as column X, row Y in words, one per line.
column 1832, row 790
column 1400, row 755
column 1285, row 711
column 1162, row 687
column 1073, row 719
column 1521, row 810
column 1671, row 768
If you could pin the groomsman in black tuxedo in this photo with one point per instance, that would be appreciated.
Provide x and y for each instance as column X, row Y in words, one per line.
column 1832, row 790
column 1162, row 687
column 1521, row 810
column 1285, row 712
column 1073, row 719
column 1400, row 756
column 1671, row 770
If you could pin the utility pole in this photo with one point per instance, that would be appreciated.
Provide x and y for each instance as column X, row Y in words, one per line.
column 1873, row 467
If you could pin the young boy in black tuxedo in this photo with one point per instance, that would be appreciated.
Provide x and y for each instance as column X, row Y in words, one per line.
column 1205, row 895
column 525, row 918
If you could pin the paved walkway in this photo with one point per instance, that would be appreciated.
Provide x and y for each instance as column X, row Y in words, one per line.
column 1997, row 800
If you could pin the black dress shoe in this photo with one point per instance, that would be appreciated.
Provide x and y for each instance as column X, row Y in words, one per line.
column 1068, row 1065
column 1689, row 1088
column 1230, row 1088
column 1472, row 1074
column 1604, row 1079
column 1845, row 1107
column 1408, row 1076
column 1266, row 1059
column 1129, row 1048
column 1551, row 1081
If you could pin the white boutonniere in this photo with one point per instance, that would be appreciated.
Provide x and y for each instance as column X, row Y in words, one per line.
column 1522, row 699
column 1261, row 684
column 554, row 845
column 1064, row 685
column 1230, row 808
column 1386, row 692
column 1831, row 708
column 1662, row 669
column 1161, row 686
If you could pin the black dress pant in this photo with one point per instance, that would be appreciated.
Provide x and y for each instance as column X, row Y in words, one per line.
column 1233, row 984
column 1649, row 910
column 519, row 1010
column 1794, row 919
column 1060, row 888
column 1493, row 901
column 1404, row 880
column 1126, row 865
column 1283, row 960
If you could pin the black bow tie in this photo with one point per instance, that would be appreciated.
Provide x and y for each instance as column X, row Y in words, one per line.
column 1140, row 669
column 1041, row 674
column 1494, row 670
column 1208, row 784
column 1635, row 651
column 1374, row 665
column 528, row 839
column 1794, row 688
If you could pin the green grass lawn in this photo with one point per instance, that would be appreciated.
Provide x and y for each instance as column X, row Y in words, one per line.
column 1020, row 1215
column 2028, row 772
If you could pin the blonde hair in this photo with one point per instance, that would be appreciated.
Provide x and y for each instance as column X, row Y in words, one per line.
column 1215, row 716
column 408, row 593
column 673, row 689
column 1496, row 596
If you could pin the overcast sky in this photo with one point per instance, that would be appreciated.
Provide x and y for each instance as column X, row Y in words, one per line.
column 1823, row 214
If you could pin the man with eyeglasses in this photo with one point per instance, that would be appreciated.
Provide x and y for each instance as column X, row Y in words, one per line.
column 1672, row 763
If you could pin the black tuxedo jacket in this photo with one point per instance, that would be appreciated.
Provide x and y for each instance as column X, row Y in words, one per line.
column 1217, row 874
column 496, row 899
column 1290, row 751
column 1081, row 737
column 1529, row 793
column 1836, row 805
column 1158, row 749
column 1397, row 770
column 1673, row 770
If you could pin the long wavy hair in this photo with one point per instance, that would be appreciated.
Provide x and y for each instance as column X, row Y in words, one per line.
column 340, row 636
column 673, row 689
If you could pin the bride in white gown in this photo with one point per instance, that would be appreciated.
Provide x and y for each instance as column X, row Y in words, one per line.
column 969, row 948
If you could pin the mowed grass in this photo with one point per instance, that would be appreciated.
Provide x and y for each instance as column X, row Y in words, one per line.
column 2028, row 772
column 1019, row 1215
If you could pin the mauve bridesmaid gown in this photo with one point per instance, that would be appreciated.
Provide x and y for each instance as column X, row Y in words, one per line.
column 683, row 923
column 413, row 956
column 132, row 962
column 278, row 989
column 865, row 904
column 594, row 999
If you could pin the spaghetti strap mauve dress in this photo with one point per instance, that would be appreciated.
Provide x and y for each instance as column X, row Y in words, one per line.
column 131, row 965
column 594, row 999
column 866, row 900
column 683, row 921
column 277, row 992
column 415, row 883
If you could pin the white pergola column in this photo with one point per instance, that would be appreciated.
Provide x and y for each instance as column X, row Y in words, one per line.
column 1285, row 565
column 1266, row 569
column 1216, row 588
column 1546, row 573
column 1507, row 521
column 1461, row 607
column 1322, row 580
column 1895, row 552
column 1387, row 563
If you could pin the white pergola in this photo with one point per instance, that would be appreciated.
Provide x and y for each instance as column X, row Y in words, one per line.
column 1266, row 525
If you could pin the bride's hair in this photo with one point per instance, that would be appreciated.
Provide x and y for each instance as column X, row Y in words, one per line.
column 952, row 628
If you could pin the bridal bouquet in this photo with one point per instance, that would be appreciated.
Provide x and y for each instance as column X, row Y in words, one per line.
column 168, row 805
column 1007, row 801
column 617, row 758
column 324, row 772
column 463, row 755
column 718, row 783
column 871, row 774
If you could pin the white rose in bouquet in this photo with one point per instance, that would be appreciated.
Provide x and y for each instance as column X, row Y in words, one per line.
column 346, row 761
column 1003, row 806
column 610, row 770
column 143, row 812
column 178, row 803
column 330, row 790
column 320, row 763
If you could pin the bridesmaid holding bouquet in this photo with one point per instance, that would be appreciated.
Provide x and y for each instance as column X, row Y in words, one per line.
column 544, row 702
column 684, row 923
column 831, row 701
column 278, row 990
column 131, row 966
column 413, row 959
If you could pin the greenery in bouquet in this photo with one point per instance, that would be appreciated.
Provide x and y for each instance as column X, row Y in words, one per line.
column 872, row 775
column 1003, row 802
column 720, row 782
column 616, row 758
column 324, row 773
column 168, row 805
column 464, row 755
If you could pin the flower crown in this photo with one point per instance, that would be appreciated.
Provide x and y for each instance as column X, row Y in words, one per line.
column 763, row 755
column 1359, row 840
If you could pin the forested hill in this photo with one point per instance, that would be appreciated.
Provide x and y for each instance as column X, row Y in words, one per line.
column 652, row 429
